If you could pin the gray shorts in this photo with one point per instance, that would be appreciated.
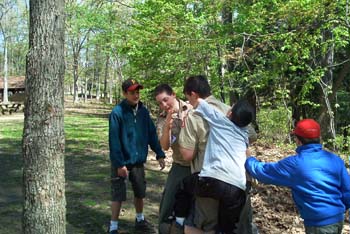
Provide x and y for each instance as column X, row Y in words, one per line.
column 119, row 184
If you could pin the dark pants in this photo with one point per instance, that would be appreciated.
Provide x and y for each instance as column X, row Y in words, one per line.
column 246, row 225
column 137, row 179
column 231, row 199
column 335, row 228
column 184, row 196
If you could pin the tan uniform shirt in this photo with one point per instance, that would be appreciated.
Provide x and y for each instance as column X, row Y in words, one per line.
column 175, row 130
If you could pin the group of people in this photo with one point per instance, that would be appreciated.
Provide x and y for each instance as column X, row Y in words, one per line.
column 207, row 188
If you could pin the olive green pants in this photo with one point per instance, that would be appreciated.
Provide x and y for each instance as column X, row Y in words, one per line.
column 176, row 174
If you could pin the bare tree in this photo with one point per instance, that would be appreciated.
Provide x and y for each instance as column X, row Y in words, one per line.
column 5, row 7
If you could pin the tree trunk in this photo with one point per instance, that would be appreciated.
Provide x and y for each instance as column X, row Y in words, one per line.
column 106, row 78
column 221, row 72
column 326, row 119
column 86, row 70
column 5, row 94
column 75, row 76
column 111, row 83
column 43, row 135
column 98, row 87
column 91, row 87
column 120, row 79
column 97, row 72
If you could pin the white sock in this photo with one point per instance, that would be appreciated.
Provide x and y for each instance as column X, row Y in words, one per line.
column 113, row 226
column 180, row 220
column 139, row 217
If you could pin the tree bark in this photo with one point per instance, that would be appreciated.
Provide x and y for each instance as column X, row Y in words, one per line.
column 86, row 70
column 97, row 72
column 75, row 75
column 221, row 72
column 43, row 135
column 105, row 84
column 5, row 94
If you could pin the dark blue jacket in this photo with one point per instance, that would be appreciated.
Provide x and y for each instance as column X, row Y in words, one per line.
column 318, row 179
column 130, row 134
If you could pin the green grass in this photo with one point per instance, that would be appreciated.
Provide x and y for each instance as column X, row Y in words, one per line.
column 87, row 169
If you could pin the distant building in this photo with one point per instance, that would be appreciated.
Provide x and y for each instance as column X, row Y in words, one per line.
column 15, row 87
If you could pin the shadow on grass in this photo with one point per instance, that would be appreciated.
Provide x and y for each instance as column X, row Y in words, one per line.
column 90, row 115
column 88, row 196
column 87, row 169
column 10, row 186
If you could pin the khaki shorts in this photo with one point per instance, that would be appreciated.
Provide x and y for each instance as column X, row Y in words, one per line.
column 119, row 184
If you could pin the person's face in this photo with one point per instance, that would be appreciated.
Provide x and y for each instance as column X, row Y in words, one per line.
column 297, row 141
column 165, row 101
column 133, row 97
column 192, row 98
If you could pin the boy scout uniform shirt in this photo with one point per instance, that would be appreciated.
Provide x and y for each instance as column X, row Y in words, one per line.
column 194, row 133
column 175, row 131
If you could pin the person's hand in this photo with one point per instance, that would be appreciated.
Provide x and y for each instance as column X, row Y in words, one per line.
column 248, row 153
column 161, row 162
column 122, row 172
column 169, row 119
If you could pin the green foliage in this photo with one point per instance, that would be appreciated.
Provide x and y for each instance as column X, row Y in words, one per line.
column 274, row 125
column 271, row 51
column 342, row 141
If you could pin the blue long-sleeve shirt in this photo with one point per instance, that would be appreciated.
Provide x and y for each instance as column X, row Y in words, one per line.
column 318, row 179
column 130, row 134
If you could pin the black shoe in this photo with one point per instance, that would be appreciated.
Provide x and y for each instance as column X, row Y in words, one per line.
column 143, row 225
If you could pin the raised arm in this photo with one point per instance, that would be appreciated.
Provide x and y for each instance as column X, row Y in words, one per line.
column 164, row 126
column 278, row 173
column 209, row 113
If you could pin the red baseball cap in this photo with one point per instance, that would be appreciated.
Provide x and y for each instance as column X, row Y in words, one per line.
column 307, row 128
column 131, row 85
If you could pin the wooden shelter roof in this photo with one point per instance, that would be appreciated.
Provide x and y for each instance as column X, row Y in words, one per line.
column 13, row 82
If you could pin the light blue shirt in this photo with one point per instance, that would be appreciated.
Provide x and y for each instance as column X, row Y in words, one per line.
column 225, row 152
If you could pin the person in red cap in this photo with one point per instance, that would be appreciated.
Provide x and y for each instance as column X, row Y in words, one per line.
column 131, row 131
column 318, row 180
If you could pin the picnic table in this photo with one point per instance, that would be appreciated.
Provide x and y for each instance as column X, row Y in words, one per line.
column 10, row 107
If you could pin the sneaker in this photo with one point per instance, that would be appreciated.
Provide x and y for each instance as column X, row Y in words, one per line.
column 111, row 232
column 143, row 225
